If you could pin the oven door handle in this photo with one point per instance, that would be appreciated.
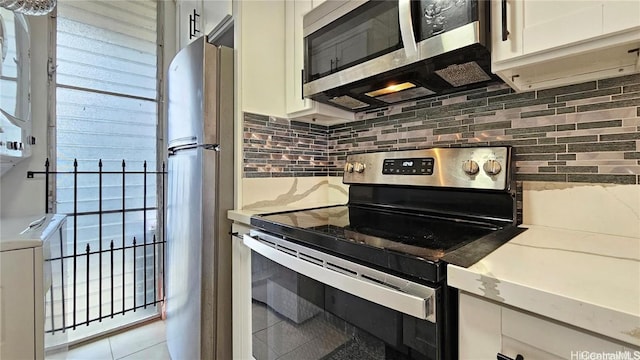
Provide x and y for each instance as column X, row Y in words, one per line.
column 378, row 287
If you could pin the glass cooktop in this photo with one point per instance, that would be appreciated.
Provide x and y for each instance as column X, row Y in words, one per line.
column 424, row 236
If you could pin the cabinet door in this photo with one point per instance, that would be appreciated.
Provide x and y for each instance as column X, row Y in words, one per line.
column 188, row 23
column 294, row 56
column 512, row 46
column 479, row 328
column 17, row 304
column 550, row 24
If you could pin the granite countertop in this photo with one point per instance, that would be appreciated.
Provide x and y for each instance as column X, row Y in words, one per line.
column 585, row 279
column 244, row 215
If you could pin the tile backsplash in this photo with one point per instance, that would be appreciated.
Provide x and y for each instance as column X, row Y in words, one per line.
column 584, row 133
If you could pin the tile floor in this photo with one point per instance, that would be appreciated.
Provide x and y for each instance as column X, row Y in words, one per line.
column 141, row 343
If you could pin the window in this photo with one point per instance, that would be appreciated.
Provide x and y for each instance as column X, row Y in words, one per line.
column 106, row 118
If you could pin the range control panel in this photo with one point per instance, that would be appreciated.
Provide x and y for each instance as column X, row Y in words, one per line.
column 410, row 166
column 482, row 167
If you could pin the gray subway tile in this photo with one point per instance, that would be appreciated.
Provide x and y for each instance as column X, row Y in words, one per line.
column 489, row 94
column 578, row 169
column 537, row 129
column 609, row 105
column 631, row 88
column 422, row 127
column 590, row 94
column 389, row 131
column 565, row 127
column 542, row 177
column 566, row 110
column 619, row 81
column 549, row 149
column 591, row 85
column 632, row 155
column 630, row 95
column 520, row 104
column 512, row 97
column 577, row 139
column 530, row 135
column 566, row 156
column 520, row 142
column 546, row 140
column 602, row 178
column 603, row 146
column 557, row 163
column 477, row 111
column 534, row 157
column 451, row 130
column 449, row 123
column 623, row 136
column 385, row 142
column 600, row 124
column 556, row 105
column 546, row 169
column 416, row 139
column 489, row 126
column 528, row 114
column 402, row 115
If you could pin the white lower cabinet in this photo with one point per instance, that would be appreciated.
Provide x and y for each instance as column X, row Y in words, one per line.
column 487, row 328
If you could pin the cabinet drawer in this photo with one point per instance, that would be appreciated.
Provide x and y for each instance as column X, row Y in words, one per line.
column 539, row 337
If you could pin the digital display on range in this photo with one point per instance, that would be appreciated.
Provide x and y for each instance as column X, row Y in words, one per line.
column 417, row 166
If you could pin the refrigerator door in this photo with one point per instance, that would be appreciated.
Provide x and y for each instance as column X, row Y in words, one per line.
column 184, row 253
column 185, row 94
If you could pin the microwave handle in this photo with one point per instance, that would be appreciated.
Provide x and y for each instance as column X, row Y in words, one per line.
column 406, row 28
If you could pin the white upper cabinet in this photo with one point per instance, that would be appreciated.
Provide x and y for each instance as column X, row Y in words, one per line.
column 260, row 30
column 554, row 43
column 297, row 107
column 195, row 18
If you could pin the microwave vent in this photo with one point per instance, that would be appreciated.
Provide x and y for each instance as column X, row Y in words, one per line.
column 463, row 74
column 348, row 102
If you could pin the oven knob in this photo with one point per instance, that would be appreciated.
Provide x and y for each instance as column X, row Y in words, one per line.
column 359, row 167
column 348, row 167
column 470, row 167
column 492, row 167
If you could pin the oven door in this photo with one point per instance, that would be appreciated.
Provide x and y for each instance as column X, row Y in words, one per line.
column 308, row 304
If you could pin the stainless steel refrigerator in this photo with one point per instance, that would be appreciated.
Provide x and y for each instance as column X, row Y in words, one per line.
column 200, row 191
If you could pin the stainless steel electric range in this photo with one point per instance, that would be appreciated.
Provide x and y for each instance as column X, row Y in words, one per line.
column 367, row 280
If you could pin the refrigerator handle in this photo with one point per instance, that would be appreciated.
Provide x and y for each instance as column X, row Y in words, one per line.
column 172, row 150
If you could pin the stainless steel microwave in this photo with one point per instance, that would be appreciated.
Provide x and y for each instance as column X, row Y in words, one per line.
column 361, row 55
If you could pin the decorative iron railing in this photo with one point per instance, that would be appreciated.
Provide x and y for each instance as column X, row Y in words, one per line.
column 145, row 254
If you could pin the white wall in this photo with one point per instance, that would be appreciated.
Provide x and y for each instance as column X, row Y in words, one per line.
column 20, row 196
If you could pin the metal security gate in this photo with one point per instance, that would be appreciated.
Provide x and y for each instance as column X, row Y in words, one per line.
column 99, row 278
